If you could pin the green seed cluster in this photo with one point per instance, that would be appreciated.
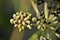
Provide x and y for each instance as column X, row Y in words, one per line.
column 21, row 20
column 43, row 38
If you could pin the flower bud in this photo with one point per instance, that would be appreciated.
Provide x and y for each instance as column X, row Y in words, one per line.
column 11, row 21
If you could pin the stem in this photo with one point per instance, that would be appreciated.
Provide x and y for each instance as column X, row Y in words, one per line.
column 46, row 10
column 35, row 8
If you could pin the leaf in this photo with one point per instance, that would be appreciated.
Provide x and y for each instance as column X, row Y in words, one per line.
column 36, row 35
column 51, row 34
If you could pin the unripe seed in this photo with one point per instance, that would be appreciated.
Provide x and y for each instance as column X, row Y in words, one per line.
column 11, row 21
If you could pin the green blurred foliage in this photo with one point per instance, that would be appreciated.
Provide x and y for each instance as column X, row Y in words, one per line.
column 4, row 19
column 1, row 2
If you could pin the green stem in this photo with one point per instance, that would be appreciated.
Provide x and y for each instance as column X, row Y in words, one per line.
column 35, row 8
column 46, row 10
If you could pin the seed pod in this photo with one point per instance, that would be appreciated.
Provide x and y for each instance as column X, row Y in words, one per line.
column 36, row 39
column 15, row 21
column 24, row 14
column 21, row 12
column 38, row 22
column 41, row 37
column 29, row 16
column 39, row 26
column 39, row 17
column 34, row 19
column 27, row 21
column 28, row 13
column 11, row 21
column 15, row 25
column 21, row 17
column 19, row 21
column 20, row 29
column 52, row 28
column 17, row 17
column 14, row 16
column 28, row 26
column 49, row 39
column 55, row 12
column 47, row 36
column 59, row 15
column 17, row 13
column 54, row 18
column 19, row 25
column 23, row 23
column 57, row 35
column 55, row 22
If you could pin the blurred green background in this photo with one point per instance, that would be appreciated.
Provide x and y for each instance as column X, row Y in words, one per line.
column 6, row 11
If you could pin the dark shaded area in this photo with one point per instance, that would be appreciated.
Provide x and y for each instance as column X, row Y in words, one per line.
column 6, row 11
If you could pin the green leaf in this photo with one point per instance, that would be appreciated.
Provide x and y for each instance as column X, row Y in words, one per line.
column 36, row 35
column 52, row 35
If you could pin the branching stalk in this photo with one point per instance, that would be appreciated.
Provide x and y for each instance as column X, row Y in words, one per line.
column 35, row 8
